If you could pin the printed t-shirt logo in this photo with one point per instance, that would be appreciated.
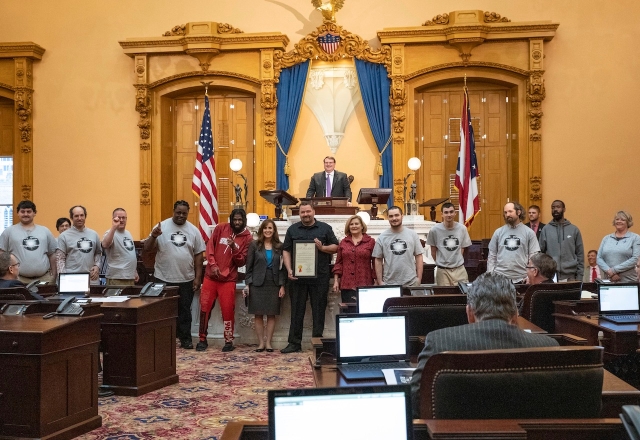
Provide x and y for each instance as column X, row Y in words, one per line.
column 512, row 243
column 84, row 245
column 451, row 243
column 398, row 246
column 31, row 243
column 178, row 239
column 128, row 243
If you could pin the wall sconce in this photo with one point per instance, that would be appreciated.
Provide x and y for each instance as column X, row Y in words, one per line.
column 236, row 165
column 411, row 205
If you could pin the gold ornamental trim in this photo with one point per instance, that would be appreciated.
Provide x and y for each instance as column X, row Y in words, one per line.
column 21, row 49
column 7, row 86
column 171, row 43
column 487, row 64
column 201, row 73
column 351, row 45
column 440, row 19
column 502, row 31
column 494, row 17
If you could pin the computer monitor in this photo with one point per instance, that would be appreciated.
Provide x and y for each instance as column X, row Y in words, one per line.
column 370, row 299
column 73, row 283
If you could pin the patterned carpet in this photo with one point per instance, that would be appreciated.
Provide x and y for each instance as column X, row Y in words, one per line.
column 214, row 389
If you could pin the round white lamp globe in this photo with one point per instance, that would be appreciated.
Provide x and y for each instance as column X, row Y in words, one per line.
column 235, row 165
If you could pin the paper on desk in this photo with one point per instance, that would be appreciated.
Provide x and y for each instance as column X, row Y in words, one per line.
column 110, row 299
column 395, row 376
column 587, row 295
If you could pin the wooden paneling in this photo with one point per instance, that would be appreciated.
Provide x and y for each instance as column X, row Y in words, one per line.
column 6, row 129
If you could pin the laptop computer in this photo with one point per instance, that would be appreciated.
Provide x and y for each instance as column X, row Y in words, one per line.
column 370, row 299
column 370, row 342
column 368, row 412
column 619, row 303
column 73, row 284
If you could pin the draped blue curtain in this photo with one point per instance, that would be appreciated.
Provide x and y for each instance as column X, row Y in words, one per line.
column 289, row 93
column 374, row 87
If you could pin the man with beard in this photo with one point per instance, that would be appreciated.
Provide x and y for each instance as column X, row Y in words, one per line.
column 79, row 247
column 400, row 250
column 512, row 245
column 316, row 288
column 448, row 241
column 178, row 262
column 121, row 253
column 33, row 245
column 563, row 242
column 226, row 252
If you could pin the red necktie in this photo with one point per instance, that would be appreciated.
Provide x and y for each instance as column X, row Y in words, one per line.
column 594, row 274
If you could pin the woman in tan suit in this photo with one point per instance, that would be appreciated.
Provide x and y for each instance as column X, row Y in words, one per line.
column 265, row 279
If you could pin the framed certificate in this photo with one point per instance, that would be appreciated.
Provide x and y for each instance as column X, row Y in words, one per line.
column 305, row 259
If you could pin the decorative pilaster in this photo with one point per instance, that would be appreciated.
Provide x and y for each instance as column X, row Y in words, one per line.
column 535, row 95
column 398, row 101
column 23, row 157
column 143, row 107
column 268, row 147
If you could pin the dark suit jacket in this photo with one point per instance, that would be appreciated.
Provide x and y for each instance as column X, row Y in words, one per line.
column 539, row 229
column 341, row 186
column 492, row 334
column 10, row 283
column 257, row 266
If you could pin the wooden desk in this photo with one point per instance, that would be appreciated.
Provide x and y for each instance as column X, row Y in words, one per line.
column 550, row 429
column 583, row 306
column 139, row 344
column 48, row 376
column 619, row 340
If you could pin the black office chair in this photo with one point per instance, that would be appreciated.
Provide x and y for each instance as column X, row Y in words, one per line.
column 429, row 313
column 533, row 383
column 537, row 305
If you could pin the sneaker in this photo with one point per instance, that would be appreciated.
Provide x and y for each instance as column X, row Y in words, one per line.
column 291, row 348
column 228, row 346
column 186, row 344
column 105, row 392
column 202, row 345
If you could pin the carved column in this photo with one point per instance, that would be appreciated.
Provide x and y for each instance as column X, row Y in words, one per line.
column 143, row 107
column 267, row 149
column 23, row 157
column 398, row 100
column 535, row 96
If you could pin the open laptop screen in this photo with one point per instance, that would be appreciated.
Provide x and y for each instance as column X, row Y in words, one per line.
column 618, row 298
column 73, row 283
column 372, row 298
column 381, row 412
column 371, row 335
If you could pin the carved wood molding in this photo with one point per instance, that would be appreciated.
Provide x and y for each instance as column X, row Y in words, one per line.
column 7, row 86
column 351, row 45
column 168, row 79
column 487, row 64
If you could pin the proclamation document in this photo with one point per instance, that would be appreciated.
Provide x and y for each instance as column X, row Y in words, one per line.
column 305, row 259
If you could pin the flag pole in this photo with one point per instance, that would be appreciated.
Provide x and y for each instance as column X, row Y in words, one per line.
column 207, row 83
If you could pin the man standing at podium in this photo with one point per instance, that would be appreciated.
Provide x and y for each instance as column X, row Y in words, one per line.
column 329, row 183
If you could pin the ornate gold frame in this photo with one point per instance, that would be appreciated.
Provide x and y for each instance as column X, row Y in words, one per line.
column 430, row 62
column 20, row 91
column 203, row 41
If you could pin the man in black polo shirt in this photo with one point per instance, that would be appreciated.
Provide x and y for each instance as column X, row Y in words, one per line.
column 317, row 288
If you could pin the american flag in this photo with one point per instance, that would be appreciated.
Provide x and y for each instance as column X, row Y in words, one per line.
column 204, row 176
column 467, row 170
column 329, row 42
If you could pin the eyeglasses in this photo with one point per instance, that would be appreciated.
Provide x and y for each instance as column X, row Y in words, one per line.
column 531, row 267
column 17, row 264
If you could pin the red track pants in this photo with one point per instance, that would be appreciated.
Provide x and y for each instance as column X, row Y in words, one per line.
column 212, row 290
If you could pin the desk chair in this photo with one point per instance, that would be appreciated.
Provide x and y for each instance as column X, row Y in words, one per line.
column 428, row 313
column 537, row 306
column 11, row 296
column 533, row 383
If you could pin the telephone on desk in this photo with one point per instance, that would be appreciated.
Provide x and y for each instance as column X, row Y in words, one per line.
column 152, row 289
column 66, row 308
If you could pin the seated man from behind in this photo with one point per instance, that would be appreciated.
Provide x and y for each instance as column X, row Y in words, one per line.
column 541, row 269
column 492, row 315
column 9, row 271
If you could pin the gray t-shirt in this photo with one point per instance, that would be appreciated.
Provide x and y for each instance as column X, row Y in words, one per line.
column 399, row 251
column 121, row 256
column 176, row 247
column 31, row 246
column 449, row 243
column 510, row 249
column 81, row 249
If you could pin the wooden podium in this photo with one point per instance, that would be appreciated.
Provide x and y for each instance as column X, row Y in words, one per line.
column 48, row 376
column 278, row 197
column 328, row 206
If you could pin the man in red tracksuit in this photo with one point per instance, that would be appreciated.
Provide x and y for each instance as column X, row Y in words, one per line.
column 226, row 252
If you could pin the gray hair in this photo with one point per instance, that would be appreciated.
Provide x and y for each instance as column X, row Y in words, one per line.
column 5, row 262
column 492, row 296
column 545, row 264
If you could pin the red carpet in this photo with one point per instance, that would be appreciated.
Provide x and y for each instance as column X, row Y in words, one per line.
column 215, row 388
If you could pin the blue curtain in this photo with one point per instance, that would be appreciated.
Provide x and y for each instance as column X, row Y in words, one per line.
column 374, row 87
column 289, row 93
